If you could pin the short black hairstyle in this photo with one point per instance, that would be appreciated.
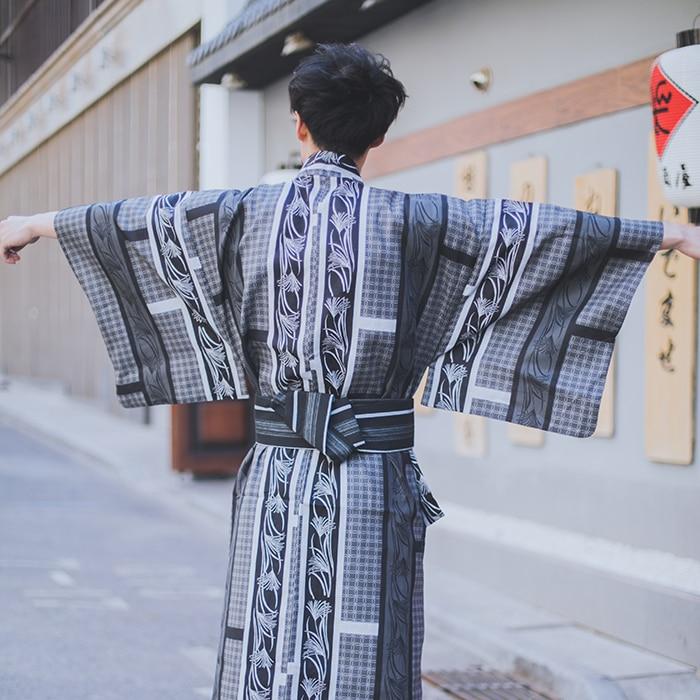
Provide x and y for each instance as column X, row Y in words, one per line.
column 347, row 96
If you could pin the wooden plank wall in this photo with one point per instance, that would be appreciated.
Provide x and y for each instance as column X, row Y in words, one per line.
column 139, row 139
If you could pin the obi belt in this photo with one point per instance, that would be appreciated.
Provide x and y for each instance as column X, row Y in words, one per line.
column 336, row 426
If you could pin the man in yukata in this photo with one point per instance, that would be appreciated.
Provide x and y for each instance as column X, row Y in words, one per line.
column 327, row 300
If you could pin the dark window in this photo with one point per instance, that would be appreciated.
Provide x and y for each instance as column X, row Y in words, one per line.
column 30, row 31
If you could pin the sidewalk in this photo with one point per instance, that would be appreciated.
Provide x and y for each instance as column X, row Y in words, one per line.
column 467, row 624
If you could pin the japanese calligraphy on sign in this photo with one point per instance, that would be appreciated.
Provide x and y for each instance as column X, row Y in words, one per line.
column 670, row 345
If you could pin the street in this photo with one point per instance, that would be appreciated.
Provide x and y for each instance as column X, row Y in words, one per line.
column 105, row 593
column 112, row 574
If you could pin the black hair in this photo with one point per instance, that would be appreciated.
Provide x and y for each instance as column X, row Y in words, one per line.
column 347, row 96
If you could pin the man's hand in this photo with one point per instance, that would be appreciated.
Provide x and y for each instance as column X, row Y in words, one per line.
column 685, row 238
column 19, row 231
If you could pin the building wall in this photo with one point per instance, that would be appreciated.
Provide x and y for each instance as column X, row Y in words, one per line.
column 605, row 490
column 39, row 28
column 137, row 139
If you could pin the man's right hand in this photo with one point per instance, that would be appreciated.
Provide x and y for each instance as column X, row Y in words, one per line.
column 19, row 231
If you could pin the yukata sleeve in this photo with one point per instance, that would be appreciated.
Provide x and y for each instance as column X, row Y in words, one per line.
column 152, row 269
column 532, row 298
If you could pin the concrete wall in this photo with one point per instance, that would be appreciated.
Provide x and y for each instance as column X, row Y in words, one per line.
column 598, row 488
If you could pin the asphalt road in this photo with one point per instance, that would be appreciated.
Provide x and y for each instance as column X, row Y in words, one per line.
column 105, row 592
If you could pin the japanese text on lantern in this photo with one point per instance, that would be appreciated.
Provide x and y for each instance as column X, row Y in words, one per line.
column 671, row 106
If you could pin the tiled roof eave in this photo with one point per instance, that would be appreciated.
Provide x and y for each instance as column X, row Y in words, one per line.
column 253, row 14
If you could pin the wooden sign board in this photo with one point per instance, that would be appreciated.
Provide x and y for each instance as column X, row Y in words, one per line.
column 528, row 182
column 470, row 435
column 670, row 341
column 596, row 192
column 471, row 176
column 528, row 179
column 471, row 183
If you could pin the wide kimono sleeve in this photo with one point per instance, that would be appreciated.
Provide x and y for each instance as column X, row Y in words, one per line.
column 152, row 271
column 527, row 305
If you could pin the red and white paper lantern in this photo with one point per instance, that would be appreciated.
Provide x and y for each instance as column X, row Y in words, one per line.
column 675, row 94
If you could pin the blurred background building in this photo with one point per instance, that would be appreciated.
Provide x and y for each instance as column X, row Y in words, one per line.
column 111, row 99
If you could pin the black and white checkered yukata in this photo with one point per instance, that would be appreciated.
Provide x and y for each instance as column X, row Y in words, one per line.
column 328, row 299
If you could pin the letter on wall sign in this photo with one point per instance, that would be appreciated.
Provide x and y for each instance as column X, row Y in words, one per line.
column 670, row 347
column 528, row 182
column 471, row 183
column 470, row 435
column 596, row 192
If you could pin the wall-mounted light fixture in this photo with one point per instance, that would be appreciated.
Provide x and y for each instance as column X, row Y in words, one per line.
column 231, row 81
column 296, row 43
column 369, row 4
column 481, row 79
column 675, row 94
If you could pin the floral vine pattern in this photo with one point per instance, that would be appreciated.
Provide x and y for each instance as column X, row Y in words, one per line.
column 210, row 344
column 487, row 302
column 429, row 505
column 320, row 583
column 268, row 589
column 340, row 282
column 289, row 264
column 339, row 160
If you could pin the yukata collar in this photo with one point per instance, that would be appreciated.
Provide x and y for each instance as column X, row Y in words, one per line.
column 335, row 162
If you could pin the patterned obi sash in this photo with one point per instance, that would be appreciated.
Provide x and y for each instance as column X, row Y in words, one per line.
column 335, row 426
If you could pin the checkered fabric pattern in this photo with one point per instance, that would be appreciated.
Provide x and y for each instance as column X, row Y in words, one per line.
column 374, row 350
column 617, row 286
column 383, row 251
column 363, row 544
column 354, row 651
column 70, row 225
column 495, row 371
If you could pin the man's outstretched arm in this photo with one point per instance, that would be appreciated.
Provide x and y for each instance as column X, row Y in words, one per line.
column 18, row 231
